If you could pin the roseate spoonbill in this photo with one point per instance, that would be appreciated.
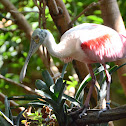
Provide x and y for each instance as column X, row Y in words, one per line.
column 88, row 43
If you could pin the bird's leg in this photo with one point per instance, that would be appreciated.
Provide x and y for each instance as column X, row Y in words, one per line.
column 86, row 104
column 108, row 80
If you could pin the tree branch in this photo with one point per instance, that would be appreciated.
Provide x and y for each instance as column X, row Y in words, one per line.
column 109, row 115
column 18, row 84
column 84, row 11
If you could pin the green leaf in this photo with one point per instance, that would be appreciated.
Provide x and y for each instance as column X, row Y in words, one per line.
column 52, row 103
column 38, row 103
column 7, row 105
column 18, row 118
column 83, row 85
column 6, row 118
column 57, row 86
column 25, row 97
column 63, row 70
column 61, row 107
column 43, row 93
column 44, row 90
column 115, row 68
column 73, row 100
column 41, row 85
column 3, row 122
column 47, row 78
column 61, row 92
column 7, row 109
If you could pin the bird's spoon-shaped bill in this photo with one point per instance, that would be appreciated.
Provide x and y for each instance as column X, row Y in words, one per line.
column 32, row 50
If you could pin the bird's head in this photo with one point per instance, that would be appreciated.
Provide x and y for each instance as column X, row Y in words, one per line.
column 38, row 38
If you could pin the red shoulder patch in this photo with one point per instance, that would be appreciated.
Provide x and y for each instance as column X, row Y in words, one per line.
column 95, row 43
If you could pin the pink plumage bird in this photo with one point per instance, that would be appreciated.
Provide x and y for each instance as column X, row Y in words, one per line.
column 88, row 43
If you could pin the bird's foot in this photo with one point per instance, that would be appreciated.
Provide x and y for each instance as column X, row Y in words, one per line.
column 79, row 112
column 84, row 112
column 105, row 109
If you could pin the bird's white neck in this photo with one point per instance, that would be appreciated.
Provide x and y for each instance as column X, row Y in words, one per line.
column 53, row 48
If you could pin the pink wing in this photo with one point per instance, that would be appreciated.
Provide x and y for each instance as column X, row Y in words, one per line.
column 104, row 48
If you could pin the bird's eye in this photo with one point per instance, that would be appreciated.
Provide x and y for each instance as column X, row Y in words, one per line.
column 36, row 39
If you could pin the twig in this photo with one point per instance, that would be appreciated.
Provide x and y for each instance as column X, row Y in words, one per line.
column 43, row 14
column 22, row 12
column 45, row 51
column 84, row 11
column 40, row 13
column 109, row 115
column 55, row 8
column 35, row 2
column 18, row 84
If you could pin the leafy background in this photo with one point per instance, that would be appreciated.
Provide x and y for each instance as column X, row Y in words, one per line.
column 14, row 47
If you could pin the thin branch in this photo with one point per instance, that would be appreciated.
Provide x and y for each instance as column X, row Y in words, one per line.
column 43, row 14
column 22, row 12
column 40, row 12
column 47, row 55
column 18, row 84
column 109, row 115
column 84, row 11
column 35, row 2
column 55, row 8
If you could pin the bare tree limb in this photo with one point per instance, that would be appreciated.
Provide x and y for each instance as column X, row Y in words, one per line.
column 93, row 118
column 28, row 89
